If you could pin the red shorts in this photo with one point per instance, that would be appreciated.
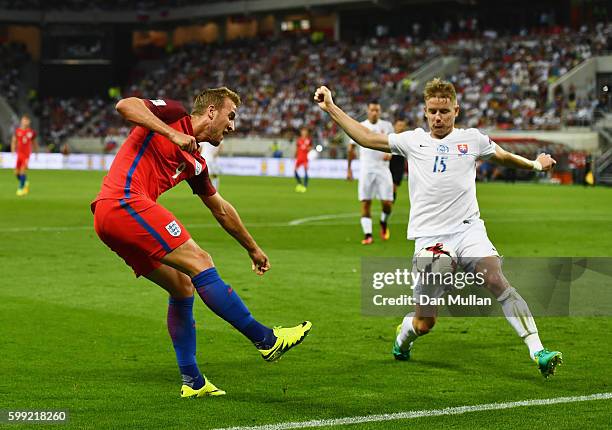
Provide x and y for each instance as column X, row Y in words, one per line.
column 139, row 230
column 22, row 161
column 301, row 162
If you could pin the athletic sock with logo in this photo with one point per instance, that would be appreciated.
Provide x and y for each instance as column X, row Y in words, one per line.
column 519, row 316
column 226, row 303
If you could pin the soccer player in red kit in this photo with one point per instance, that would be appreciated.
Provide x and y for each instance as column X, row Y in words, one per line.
column 160, row 152
column 23, row 141
column 304, row 145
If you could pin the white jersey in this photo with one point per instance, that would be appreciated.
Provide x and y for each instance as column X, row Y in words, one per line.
column 211, row 155
column 369, row 159
column 442, row 178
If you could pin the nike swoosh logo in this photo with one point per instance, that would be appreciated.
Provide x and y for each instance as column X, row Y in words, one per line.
column 424, row 146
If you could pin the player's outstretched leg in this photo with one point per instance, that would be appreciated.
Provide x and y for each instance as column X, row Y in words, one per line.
column 221, row 298
column 519, row 316
column 407, row 332
column 225, row 302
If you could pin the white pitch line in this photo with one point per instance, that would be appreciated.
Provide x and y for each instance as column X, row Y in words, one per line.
column 323, row 217
column 424, row 413
column 292, row 223
column 59, row 229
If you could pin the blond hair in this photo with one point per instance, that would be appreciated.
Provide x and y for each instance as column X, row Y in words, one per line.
column 215, row 97
column 441, row 89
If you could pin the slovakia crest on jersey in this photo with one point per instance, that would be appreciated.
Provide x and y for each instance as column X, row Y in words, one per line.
column 198, row 167
column 463, row 148
column 174, row 229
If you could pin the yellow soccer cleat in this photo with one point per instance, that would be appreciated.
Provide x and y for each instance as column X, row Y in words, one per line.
column 385, row 231
column 26, row 188
column 20, row 193
column 286, row 338
column 207, row 390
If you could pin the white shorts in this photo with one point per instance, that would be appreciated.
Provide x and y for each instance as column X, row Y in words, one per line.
column 376, row 184
column 213, row 168
column 470, row 244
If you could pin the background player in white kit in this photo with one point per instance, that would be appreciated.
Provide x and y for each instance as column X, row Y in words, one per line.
column 211, row 155
column 444, row 208
column 375, row 181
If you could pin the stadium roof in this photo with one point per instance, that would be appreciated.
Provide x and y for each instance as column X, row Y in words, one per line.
column 120, row 11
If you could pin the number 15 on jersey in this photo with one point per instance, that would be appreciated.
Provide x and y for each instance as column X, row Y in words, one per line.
column 440, row 164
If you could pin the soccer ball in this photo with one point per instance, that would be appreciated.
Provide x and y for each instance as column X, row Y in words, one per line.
column 436, row 258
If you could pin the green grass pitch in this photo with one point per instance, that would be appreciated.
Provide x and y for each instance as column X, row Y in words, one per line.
column 79, row 332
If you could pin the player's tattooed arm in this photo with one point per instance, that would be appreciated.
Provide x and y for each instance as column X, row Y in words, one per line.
column 359, row 133
column 134, row 110
column 543, row 162
column 227, row 216
column 13, row 144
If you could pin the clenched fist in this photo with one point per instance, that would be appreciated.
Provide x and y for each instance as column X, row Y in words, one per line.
column 546, row 161
column 323, row 98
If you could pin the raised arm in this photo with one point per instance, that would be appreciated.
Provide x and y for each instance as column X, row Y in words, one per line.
column 359, row 133
column 229, row 219
column 543, row 162
column 135, row 110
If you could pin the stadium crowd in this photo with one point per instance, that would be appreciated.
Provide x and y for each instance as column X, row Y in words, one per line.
column 12, row 58
column 502, row 81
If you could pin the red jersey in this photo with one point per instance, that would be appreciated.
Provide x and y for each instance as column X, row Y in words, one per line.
column 149, row 164
column 303, row 146
column 24, row 138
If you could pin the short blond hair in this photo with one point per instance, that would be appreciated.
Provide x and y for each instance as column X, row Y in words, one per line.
column 441, row 89
column 215, row 97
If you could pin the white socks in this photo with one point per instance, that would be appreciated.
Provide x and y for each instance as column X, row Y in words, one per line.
column 533, row 343
column 519, row 316
column 516, row 311
column 384, row 216
column 407, row 335
column 366, row 225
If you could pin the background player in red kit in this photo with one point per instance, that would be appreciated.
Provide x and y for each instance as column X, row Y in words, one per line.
column 160, row 152
column 23, row 141
column 303, row 146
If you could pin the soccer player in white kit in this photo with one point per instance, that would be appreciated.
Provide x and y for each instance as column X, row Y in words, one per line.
column 211, row 155
column 444, row 208
column 375, row 180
